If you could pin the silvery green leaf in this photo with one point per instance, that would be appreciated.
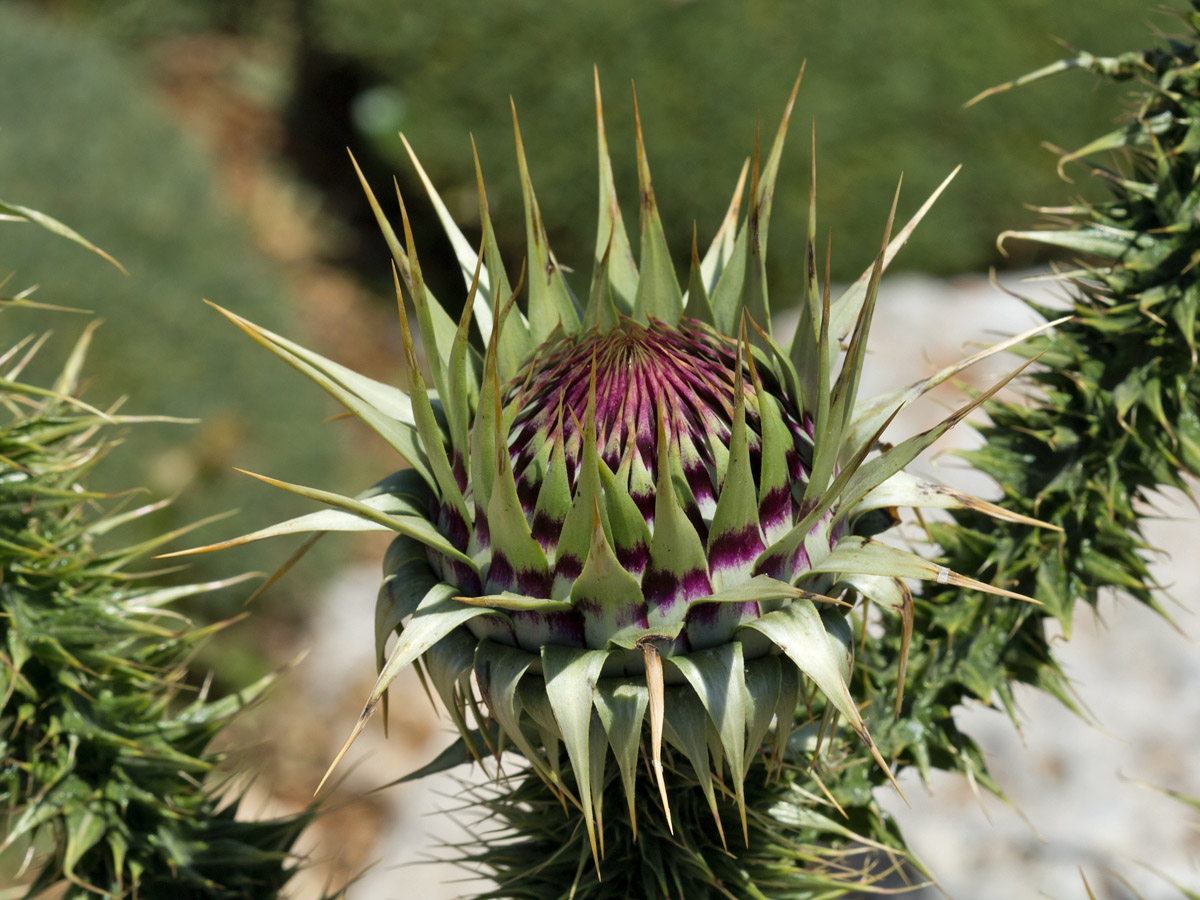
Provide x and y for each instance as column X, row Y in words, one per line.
column 571, row 677
column 686, row 726
column 718, row 677
column 762, row 683
column 499, row 669
column 858, row 555
column 621, row 706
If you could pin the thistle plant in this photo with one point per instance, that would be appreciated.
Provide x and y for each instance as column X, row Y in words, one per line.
column 1115, row 416
column 1109, row 418
column 107, row 782
column 637, row 524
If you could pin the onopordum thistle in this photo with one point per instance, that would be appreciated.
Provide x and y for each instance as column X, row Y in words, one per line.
column 1115, row 414
column 639, row 521
column 1110, row 416
column 107, row 783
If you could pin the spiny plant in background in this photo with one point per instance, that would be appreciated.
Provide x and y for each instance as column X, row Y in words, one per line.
column 106, row 782
column 641, row 523
column 1112, row 418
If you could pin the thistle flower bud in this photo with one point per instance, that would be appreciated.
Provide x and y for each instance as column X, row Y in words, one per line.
column 638, row 519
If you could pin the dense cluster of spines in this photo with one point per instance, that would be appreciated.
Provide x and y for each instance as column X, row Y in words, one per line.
column 1114, row 417
column 107, row 783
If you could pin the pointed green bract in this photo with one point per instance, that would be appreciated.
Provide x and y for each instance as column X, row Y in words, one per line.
column 463, row 388
column 905, row 489
column 871, row 413
column 770, row 172
column 468, row 260
column 613, row 251
column 609, row 597
column 513, row 343
column 499, row 670
column 622, row 706
column 809, row 355
column 867, row 557
column 576, row 538
column 601, row 311
column 484, row 448
column 630, row 533
column 892, row 460
column 387, row 411
column 718, row 676
column 726, row 297
column 427, row 426
column 696, row 301
column 712, row 267
column 440, row 326
column 550, row 303
column 414, row 526
column 846, row 308
column 760, row 589
column 734, row 538
column 658, row 294
column 675, row 549
column 510, row 601
column 512, row 540
column 845, row 391
column 570, row 682
column 323, row 520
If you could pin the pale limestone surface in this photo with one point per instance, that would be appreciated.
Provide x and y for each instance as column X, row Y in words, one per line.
column 1077, row 784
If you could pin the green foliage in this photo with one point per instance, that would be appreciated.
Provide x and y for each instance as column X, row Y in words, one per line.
column 885, row 86
column 105, row 752
column 81, row 133
column 143, row 20
column 801, row 845
column 107, row 784
column 443, row 70
column 1115, row 418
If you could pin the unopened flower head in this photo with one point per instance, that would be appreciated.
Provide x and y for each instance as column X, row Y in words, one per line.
column 633, row 514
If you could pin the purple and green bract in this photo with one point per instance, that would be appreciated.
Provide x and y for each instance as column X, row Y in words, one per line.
column 625, row 520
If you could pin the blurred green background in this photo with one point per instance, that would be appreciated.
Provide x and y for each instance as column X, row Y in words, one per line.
column 203, row 144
